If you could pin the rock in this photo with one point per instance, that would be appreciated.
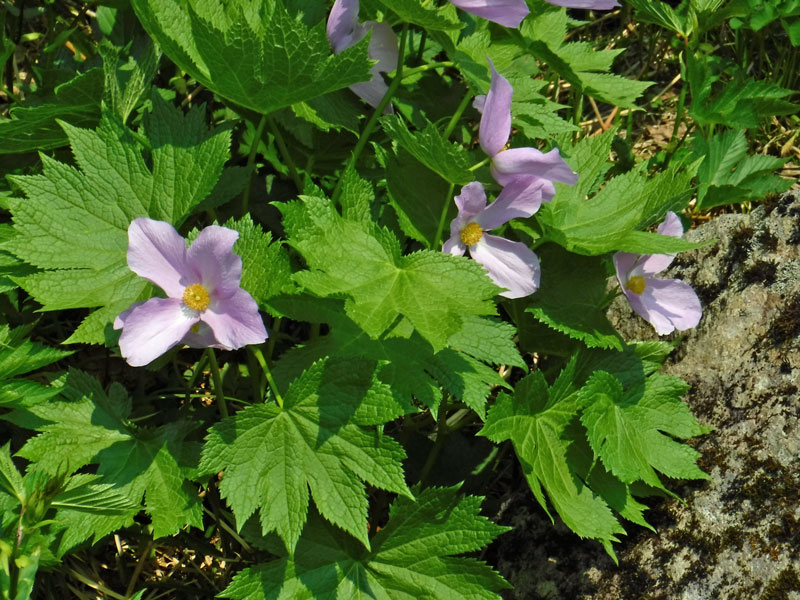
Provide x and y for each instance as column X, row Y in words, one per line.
column 736, row 537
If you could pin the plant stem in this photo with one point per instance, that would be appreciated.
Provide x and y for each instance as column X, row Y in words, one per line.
column 428, row 67
column 251, row 160
column 256, row 350
column 457, row 116
column 217, row 378
column 440, row 227
column 284, row 150
column 441, row 434
column 373, row 120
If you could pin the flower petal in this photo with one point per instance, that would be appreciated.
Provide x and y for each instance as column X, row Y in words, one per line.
column 157, row 253
column 470, row 201
column 530, row 161
column 342, row 22
column 201, row 336
column 235, row 321
column 671, row 225
column 479, row 102
column 496, row 118
column 624, row 263
column 454, row 246
column 668, row 304
column 511, row 265
column 383, row 48
column 508, row 13
column 592, row 4
column 151, row 328
column 520, row 198
column 213, row 262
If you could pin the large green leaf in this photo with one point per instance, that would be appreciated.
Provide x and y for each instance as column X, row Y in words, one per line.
column 253, row 53
column 272, row 455
column 73, row 223
column 412, row 556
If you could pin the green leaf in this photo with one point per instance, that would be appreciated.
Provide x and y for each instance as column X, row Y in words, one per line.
column 73, row 223
column 413, row 556
column 36, row 127
column 489, row 340
column 609, row 220
column 536, row 419
column 449, row 160
column 572, row 298
column 728, row 175
column 426, row 16
column 272, row 455
column 346, row 258
column 10, row 479
column 663, row 15
column 92, row 427
column 253, row 53
column 630, row 429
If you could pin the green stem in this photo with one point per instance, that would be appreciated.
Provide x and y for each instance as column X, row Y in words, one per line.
column 273, row 339
column 217, row 378
column 441, row 435
column 442, row 218
column 373, row 120
column 422, row 40
column 457, row 116
column 256, row 350
column 251, row 160
column 428, row 67
column 477, row 166
column 284, row 150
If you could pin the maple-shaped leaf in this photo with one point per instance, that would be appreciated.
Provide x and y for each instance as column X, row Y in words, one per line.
column 272, row 455
column 73, row 223
column 92, row 427
column 632, row 429
column 413, row 556
column 252, row 52
column 431, row 289
column 536, row 419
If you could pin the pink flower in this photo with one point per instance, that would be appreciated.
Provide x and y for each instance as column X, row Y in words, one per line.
column 508, row 13
column 205, row 305
column 343, row 31
column 511, row 265
column 537, row 169
column 668, row 304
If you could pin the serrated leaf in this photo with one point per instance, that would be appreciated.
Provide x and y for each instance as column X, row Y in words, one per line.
column 272, row 455
column 346, row 258
column 253, row 53
column 91, row 427
column 629, row 429
column 449, row 160
column 411, row 557
column 572, row 298
column 609, row 220
column 73, row 223
column 489, row 340
column 535, row 419
column 10, row 479
column 428, row 17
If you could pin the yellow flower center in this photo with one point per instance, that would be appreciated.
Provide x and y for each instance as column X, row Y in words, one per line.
column 471, row 234
column 636, row 284
column 196, row 297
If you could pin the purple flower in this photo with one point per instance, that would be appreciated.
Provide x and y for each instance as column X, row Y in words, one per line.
column 511, row 265
column 205, row 305
column 536, row 168
column 344, row 31
column 593, row 4
column 508, row 13
column 668, row 304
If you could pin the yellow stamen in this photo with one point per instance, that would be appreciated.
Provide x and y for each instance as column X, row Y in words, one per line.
column 471, row 234
column 196, row 297
column 636, row 284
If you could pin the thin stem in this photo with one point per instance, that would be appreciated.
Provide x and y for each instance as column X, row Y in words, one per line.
column 217, row 378
column 251, row 160
column 428, row 67
column 477, row 166
column 373, row 120
column 256, row 350
column 442, row 218
column 441, row 435
column 422, row 41
column 284, row 150
column 273, row 339
column 457, row 116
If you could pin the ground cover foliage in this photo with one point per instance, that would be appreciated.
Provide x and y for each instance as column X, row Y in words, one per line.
column 360, row 449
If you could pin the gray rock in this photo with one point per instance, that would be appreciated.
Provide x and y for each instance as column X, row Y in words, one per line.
column 736, row 537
